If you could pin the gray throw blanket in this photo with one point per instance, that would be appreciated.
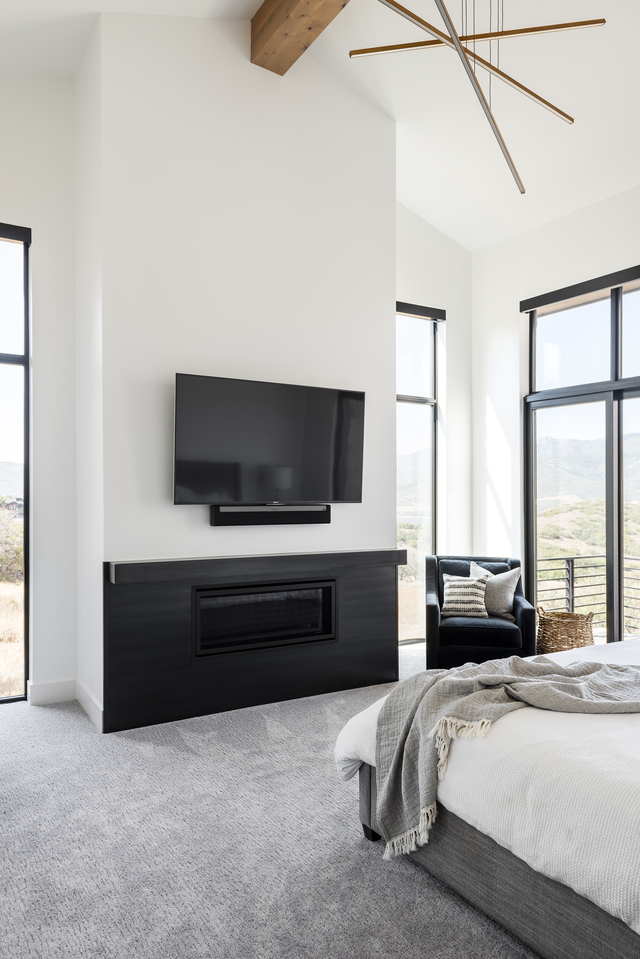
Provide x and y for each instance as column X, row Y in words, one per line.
column 425, row 712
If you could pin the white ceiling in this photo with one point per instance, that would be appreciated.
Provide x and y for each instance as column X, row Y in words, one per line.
column 449, row 167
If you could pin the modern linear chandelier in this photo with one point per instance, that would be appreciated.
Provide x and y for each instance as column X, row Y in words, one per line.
column 470, row 59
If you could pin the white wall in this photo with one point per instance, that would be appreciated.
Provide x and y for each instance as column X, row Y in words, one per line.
column 230, row 222
column 36, row 190
column 90, row 541
column 248, row 231
column 433, row 270
column 600, row 239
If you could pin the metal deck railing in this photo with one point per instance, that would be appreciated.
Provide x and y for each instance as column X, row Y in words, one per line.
column 577, row 584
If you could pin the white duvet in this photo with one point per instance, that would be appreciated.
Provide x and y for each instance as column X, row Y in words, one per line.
column 560, row 790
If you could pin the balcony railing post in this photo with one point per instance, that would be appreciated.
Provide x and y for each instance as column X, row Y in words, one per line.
column 570, row 583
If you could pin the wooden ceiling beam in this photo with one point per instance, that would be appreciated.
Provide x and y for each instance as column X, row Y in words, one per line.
column 282, row 30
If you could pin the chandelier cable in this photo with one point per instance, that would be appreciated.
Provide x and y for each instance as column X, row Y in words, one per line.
column 490, row 50
column 474, row 34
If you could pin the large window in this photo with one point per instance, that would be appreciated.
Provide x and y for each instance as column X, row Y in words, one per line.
column 582, row 452
column 14, row 513
column 416, row 407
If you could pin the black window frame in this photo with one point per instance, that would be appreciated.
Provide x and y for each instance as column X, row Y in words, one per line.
column 21, row 234
column 613, row 391
column 435, row 316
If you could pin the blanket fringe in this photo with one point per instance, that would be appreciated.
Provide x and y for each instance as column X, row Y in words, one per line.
column 449, row 728
column 418, row 836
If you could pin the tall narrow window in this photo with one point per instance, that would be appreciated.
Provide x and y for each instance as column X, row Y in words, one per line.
column 14, row 392
column 416, row 339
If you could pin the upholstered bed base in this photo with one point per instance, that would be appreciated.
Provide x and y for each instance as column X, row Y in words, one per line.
column 546, row 915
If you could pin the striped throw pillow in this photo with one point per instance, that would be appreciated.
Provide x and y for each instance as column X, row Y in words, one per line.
column 464, row 596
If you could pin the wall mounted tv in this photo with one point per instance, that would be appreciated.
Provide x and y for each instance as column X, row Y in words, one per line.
column 247, row 442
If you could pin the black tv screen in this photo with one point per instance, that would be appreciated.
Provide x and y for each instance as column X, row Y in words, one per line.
column 247, row 442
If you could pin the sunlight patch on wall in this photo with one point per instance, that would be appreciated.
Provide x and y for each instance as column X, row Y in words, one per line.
column 500, row 474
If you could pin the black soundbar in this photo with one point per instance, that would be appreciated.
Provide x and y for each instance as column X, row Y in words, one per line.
column 279, row 515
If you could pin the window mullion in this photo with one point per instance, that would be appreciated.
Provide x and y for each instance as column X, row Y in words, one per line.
column 613, row 506
column 532, row 351
column 434, row 478
column 26, row 490
column 616, row 333
column 530, row 493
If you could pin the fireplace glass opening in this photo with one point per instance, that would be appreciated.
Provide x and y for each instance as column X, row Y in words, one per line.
column 254, row 617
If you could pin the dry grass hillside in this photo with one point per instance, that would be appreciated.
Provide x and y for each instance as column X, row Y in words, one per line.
column 578, row 529
column 11, row 640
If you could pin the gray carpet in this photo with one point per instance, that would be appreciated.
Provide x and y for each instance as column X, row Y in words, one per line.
column 228, row 836
column 413, row 658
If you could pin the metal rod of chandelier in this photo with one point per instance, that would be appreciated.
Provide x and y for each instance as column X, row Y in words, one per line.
column 480, row 61
column 472, row 38
column 478, row 90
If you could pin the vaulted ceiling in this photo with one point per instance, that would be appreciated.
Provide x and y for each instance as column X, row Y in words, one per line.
column 449, row 167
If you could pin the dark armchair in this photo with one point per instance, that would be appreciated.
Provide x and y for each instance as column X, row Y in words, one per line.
column 455, row 640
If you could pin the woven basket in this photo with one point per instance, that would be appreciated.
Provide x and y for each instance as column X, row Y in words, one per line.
column 559, row 631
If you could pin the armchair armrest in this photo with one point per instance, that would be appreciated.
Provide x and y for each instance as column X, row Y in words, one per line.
column 433, row 627
column 525, row 616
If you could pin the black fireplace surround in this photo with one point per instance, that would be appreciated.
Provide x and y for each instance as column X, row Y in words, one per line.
column 186, row 638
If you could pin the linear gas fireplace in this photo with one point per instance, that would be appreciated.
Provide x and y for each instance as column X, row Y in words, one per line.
column 255, row 617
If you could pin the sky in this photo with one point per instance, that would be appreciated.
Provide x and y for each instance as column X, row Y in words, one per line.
column 414, row 362
column 413, row 427
column 573, row 347
column 11, row 341
column 11, row 298
column 584, row 421
column 11, row 421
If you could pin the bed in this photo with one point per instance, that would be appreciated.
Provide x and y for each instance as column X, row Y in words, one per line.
column 539, row 821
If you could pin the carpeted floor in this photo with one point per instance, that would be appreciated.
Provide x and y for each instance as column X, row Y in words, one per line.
column 227, row 836
column 413, row 658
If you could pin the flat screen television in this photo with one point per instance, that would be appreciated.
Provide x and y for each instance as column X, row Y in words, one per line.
column 244, row 442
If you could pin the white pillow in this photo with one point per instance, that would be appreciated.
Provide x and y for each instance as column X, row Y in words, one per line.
column 464, row 595
column 500, row 590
